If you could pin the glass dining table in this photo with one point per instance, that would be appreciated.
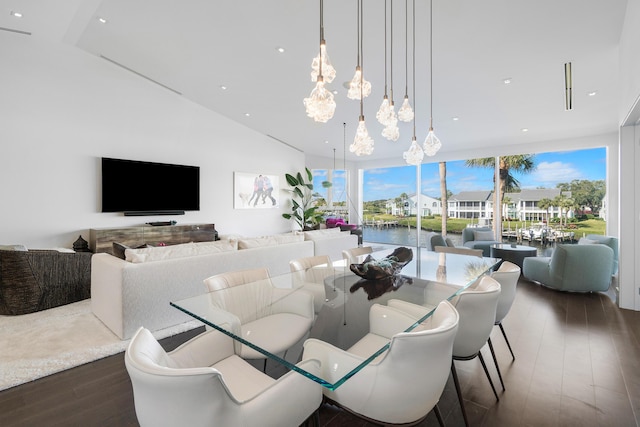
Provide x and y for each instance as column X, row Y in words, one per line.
column 343, row 318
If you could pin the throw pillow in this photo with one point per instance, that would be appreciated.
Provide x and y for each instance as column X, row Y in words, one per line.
column 483, row 235
column 20, row 248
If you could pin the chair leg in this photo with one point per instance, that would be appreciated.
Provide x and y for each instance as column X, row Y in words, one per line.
column 495, row 360
column 459, row 391
column 486, row 371
column 436, row 410
column 504, row 334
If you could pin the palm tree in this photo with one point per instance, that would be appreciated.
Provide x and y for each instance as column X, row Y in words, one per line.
column 523, row 163
column 443, row 196
column 545, row 203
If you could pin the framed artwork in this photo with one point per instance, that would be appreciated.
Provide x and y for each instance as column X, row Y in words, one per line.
column 255, row 191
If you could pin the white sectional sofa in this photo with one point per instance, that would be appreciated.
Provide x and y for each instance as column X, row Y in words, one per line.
column 136, row 291
column 331, row 241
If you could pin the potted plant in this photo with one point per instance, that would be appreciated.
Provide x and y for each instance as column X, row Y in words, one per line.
column 303, row 209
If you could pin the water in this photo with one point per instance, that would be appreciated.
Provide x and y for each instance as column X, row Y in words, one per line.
column 408, row 237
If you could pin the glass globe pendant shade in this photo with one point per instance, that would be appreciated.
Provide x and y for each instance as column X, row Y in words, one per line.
column 354, row 86
column 415, row 154
column 405, row 113
column 328, row 72
column 391, row 131
column 320, row 105
column 431, row 143
column 362, row 143
column 384, row 111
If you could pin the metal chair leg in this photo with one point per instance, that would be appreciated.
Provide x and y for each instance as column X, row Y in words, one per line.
column 436, row 410
column 495, row 360
column 486, row 371
column 459, row 391
column 504, row 334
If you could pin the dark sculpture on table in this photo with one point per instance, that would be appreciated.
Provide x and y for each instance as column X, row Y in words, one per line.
column 381, row 276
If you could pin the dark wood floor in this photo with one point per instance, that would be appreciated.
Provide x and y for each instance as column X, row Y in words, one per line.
column 577, row 364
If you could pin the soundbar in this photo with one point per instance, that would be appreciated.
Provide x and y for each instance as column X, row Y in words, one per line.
column 150, row 213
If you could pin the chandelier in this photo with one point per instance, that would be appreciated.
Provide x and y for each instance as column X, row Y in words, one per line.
column 320, row 105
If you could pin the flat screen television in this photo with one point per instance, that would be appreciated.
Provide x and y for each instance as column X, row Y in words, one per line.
column 146, row 188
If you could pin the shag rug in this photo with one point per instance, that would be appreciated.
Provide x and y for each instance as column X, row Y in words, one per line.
column 39, row 344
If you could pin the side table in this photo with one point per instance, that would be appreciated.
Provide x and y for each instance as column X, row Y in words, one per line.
column 513, row 253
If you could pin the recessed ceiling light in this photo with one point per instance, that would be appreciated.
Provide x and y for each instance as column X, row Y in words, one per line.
column 455, row 119
column 16, row 14
column 507, row 81
column 247, row 114
column 524, row 130
column 335, row 92
column 280, row 49
column 326, row 142
column 223, row 87
column 102, row 20
column 594, row 93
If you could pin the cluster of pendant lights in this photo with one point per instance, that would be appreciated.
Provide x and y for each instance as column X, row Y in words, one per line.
column 321, row 106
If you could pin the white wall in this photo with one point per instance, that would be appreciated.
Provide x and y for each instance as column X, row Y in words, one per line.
column 62, row 109
column 630, row 158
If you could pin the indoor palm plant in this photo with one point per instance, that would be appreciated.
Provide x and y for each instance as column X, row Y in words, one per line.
column 303, row 209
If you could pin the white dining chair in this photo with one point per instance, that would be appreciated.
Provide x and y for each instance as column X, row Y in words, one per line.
column 310, row 272
column 271, row 318
column 404, row 383
column 204, row 383
column 351, row 255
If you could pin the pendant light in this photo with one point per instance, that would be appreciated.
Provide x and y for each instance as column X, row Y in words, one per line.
column 405, row 113
column 431, row 144
column 362, row 144
column 414, row 154
column 359, row 87
column 391, row 131
column 383, row 112
column 320, row 105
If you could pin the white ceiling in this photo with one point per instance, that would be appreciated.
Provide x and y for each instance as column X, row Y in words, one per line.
column 195, row 46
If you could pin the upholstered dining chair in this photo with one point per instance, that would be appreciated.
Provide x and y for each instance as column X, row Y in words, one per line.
column 507, row 275
column 257, row 309
column 312, row 279
column 204, row 383
column 476, row 307
column 351, row 255
column 404, row 383
column 458, row 250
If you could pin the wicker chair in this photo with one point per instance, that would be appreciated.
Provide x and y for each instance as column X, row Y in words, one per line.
column 36, row 280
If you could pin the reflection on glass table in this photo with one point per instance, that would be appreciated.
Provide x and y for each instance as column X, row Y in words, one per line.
column 426, row 280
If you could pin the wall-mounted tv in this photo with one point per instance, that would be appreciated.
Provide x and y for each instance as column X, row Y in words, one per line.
column 146, row 188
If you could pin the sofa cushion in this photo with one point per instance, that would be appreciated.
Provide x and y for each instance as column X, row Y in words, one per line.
column 21, row 248
column 276, row 239
column 483, row 235
column 322, row 234
column 160, row 253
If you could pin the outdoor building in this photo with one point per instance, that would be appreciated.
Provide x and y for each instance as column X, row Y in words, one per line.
column 522, row 206
column 409, row 206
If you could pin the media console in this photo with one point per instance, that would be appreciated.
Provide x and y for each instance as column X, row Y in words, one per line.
column 101, row 239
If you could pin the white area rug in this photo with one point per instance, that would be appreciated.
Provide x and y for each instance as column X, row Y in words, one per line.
column 39, row 344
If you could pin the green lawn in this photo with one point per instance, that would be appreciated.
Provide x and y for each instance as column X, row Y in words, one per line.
column 580, row 228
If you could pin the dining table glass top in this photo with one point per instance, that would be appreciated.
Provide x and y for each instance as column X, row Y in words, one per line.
column 343, row 317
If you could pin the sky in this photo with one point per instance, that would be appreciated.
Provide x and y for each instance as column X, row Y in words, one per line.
column 550, row 170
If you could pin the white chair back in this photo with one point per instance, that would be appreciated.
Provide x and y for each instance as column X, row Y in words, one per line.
column 235, row 278
column 507, row 275
column 458, row 250
column 301, row 264
column 477, row 309
column 407, row 382
column 351, row 255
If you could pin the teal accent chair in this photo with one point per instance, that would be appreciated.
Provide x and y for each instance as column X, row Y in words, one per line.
column 574, row 268
column 612, row 242
column 469, row 239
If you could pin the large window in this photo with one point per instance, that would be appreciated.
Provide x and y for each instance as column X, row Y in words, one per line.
column 330, row 192
column 559, row 184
